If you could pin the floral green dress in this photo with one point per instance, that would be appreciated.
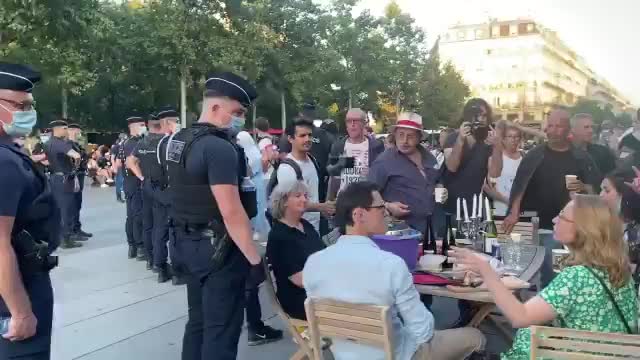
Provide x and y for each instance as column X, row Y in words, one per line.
column 579, row 299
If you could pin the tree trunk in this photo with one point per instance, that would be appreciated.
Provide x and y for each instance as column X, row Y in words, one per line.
column 65, row 103
column 253, row 119
column 284, row 110
column 350, row 104
column 398, row 104
column 183, row 99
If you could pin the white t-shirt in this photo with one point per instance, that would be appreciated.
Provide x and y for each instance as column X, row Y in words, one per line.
column 505, row 182
column 287, row 177
column 361, row 154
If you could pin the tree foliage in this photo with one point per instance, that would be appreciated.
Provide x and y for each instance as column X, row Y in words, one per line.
column 105, row 59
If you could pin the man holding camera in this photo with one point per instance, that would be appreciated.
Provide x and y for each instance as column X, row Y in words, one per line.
column 29, row 227
column 467, row 152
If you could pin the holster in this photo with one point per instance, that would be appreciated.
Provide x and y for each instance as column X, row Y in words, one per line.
column 221, row 243
column 33, row 256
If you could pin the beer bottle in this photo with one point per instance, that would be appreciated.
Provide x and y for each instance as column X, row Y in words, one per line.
column 429, row 243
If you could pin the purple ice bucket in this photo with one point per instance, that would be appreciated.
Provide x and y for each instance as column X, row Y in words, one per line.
column 402, row 242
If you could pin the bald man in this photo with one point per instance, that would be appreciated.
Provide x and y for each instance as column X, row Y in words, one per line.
column 540, row 184
column 352, row 156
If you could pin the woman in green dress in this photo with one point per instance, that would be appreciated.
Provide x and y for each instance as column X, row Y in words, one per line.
column 576, row 298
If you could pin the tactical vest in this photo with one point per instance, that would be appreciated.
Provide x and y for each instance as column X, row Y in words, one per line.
column 57, row 163
column 191, row 199
column 42, row 217
column 123, row 157
column 148, row 156
column 84, row 157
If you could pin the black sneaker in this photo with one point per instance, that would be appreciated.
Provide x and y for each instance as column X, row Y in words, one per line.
column 84, row 233
column 133, row 251
column 266, row 335
column 141, row 254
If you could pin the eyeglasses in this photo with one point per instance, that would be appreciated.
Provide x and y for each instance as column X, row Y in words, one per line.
column 21, row 106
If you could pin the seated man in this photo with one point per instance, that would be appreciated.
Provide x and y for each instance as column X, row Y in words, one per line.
column 355, row 270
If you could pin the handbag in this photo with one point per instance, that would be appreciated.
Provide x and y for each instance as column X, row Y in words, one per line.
column 613, row 301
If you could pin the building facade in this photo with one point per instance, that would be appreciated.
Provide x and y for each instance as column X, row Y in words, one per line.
column 522, row 69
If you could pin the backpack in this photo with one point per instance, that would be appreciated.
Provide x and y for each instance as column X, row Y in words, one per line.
column 273, row 181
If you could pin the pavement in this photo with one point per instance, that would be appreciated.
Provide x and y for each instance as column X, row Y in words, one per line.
column 109, row 307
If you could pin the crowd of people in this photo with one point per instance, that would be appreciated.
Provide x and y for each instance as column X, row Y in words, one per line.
column 198, row 198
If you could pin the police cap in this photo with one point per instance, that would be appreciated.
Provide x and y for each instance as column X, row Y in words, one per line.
column 58, row 123
column 74, row 126
column 166, row 112
column 232, row 86
column 17, row 77
column 152, row 117
column 134, row 119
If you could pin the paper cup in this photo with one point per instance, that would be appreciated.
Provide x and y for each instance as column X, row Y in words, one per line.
column 516, row 238
column 439, row 192
column 569, row 179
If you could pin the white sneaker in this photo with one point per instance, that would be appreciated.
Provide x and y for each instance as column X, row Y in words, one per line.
column 104, row 186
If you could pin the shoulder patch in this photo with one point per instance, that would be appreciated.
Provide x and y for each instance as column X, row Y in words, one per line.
column 175, row 149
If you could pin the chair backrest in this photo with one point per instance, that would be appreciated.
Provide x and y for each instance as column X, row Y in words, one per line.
column 290, row 322
column 366, row 324
column 558, row 343
column 528, row 229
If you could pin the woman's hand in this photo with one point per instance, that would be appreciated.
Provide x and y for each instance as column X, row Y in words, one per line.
column 472, row 261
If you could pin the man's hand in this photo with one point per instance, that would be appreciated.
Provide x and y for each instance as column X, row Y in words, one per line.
column 635, row 185
column 398, row 209
column 327, row 208
column 464, row 131
column 575, row 186
column 494, row 137
column 21, row 327
column 509, row 222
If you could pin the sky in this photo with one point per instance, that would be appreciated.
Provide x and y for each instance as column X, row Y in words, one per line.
column 602, row 32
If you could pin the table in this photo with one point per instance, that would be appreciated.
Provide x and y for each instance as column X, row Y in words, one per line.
column 531, row 260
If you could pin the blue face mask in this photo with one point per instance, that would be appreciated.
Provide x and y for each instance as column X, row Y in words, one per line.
column 22, row 123
column 237, row 122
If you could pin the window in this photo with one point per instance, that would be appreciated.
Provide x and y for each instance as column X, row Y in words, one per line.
column 530, row 28
column 504, row 30
column 489, row 51
column 512, row 117
column 522, row 28
column 495, row 31
column 528, row 116
column 461, row 35
column 479, row 33
column 496, row 101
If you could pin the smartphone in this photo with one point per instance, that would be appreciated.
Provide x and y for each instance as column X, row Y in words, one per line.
column 4, row 325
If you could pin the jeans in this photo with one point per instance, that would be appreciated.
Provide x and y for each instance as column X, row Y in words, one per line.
column 38, row 347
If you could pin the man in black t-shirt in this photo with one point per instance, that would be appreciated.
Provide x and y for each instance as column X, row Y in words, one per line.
column 540, row 183
column 467, row 152
column 582, row 131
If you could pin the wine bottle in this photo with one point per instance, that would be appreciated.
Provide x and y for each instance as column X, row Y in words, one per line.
column 448, row 241
column 429, row 243
column 491, row 235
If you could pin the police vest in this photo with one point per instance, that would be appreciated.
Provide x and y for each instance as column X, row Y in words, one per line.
column 58, row 162
column 148, row 155
column 191, row 199
column 123, row 157
column 42, row 217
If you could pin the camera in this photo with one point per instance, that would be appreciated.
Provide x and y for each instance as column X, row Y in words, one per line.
column 476, row 112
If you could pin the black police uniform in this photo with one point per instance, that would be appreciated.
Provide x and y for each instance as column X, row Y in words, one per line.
column 38, row 149
column 198, row 158
column 154, row 219
column 133, row 194
column 63, row 181
column 26, row 197
column 81, row 171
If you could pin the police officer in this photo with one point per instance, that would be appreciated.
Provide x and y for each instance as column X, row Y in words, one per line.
column 75, row 132
column 211, row 203
column 164, row 237
column 132, row 188
column 144, row 163
column 38, row 155
column 115, row 168
column 29, row 226
column 64, row 182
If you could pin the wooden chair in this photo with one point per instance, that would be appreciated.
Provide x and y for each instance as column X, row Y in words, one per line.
column 305, row 351
column 528, row 229
column 558, row 343
column 366, row 324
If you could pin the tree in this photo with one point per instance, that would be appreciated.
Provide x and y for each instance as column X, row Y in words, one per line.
column 442, row 92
